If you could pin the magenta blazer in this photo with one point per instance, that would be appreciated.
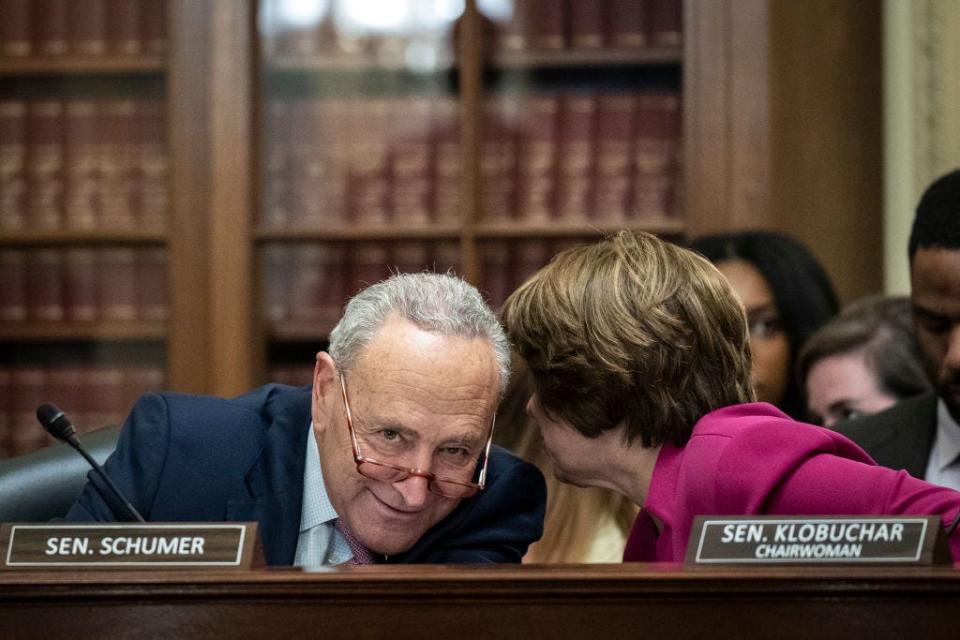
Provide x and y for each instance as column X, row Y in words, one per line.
column 751, row 459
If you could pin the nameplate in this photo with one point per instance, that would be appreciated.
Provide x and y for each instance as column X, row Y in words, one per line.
column 136, row 545
column 916, row 540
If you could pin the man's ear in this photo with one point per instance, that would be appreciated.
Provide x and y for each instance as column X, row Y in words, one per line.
column 324, row 385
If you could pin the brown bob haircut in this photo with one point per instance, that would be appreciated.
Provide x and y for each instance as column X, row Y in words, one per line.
column 632, row 330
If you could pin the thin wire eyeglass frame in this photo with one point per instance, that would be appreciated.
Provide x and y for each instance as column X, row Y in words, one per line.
column 464, row 489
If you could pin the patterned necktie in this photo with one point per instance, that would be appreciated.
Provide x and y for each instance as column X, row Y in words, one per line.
column 361, row 555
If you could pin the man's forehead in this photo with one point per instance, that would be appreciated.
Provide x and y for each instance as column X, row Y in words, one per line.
column 419, row 415
column 935, row 271
column 400, row 344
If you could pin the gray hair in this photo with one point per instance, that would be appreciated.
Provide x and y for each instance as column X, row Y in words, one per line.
column 435, row 302
column 883, row 328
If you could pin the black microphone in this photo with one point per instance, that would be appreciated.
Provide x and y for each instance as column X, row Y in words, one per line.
column 58, row 425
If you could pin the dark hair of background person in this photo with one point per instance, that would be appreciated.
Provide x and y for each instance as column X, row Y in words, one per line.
column 883, row 328
column 937, row 223
column 802, row 291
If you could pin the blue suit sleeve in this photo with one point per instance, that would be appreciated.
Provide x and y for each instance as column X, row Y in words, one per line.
column 135, row 465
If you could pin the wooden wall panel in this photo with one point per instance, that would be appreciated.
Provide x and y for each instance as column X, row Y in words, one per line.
column 826, row 105
column 784, row 127
column 727, row 141
column 233, row 351
column 211, row 347
column 188, row 354
column 750, row 141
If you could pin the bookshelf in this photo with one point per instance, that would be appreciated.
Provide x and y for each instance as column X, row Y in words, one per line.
column 84, row 203
column 83, row 65
column 265, row 201
column 455, row 167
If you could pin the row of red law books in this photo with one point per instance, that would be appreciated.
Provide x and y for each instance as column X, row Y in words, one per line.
column 554, row 25
column 307, row 286
column 44, row 28
column 581, row 157
column 83, row 164
column 578, row 157
column 82, row 285
column 361, row 162
column 92, row 395
column 506, row 264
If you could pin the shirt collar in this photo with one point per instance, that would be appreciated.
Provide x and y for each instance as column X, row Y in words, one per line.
column 316, row 504
column 947, row 443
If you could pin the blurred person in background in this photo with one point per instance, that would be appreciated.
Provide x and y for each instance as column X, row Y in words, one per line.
column 922, row 434
column 787, row 296
column 862, row 362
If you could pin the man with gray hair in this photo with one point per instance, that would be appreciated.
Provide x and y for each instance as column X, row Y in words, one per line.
column 386, row 458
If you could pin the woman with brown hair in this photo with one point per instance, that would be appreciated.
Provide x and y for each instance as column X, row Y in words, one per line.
column 581, row 525
column 641, row 365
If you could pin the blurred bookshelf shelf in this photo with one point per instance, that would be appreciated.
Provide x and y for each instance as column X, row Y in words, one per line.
column 32, row 237
column 600, row 57
column 559, row 229
column 350, row 64
column 82, row 65
column 68, row 330
column 300, row 330
column 383, row 232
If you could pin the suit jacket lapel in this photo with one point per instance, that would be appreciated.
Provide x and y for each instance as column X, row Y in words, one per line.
column 902, row 439
column 918, row 436
column 275, row 481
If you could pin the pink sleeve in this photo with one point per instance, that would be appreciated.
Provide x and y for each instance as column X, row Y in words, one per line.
column 830, row 485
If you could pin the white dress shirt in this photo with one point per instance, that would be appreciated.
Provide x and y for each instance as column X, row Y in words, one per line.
column 943, row 467
column 319, row 542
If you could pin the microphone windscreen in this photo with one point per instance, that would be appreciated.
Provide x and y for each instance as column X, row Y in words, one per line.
column 54, row 421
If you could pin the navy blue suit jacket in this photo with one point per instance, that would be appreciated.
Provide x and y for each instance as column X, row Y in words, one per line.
column 198, row 458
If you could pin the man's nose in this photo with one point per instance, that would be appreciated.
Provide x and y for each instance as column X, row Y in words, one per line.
column 951, row 361
column 414, row 490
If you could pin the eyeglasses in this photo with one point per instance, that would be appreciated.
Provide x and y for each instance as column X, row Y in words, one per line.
column 388, row 472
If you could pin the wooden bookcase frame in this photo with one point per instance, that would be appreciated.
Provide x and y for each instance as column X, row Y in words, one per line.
column 781, row 123
column 746, row 66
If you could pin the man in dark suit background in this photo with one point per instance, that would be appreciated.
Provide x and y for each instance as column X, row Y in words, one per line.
column 386, row 458
column 922, row 434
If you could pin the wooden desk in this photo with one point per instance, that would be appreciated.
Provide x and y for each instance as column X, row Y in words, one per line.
column 590, row 602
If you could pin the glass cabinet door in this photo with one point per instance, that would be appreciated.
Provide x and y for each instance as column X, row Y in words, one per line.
column 84, row 200
column 580, row 131
column 359, row 157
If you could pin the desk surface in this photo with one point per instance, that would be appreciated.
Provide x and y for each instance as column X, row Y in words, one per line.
column 563, row 601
